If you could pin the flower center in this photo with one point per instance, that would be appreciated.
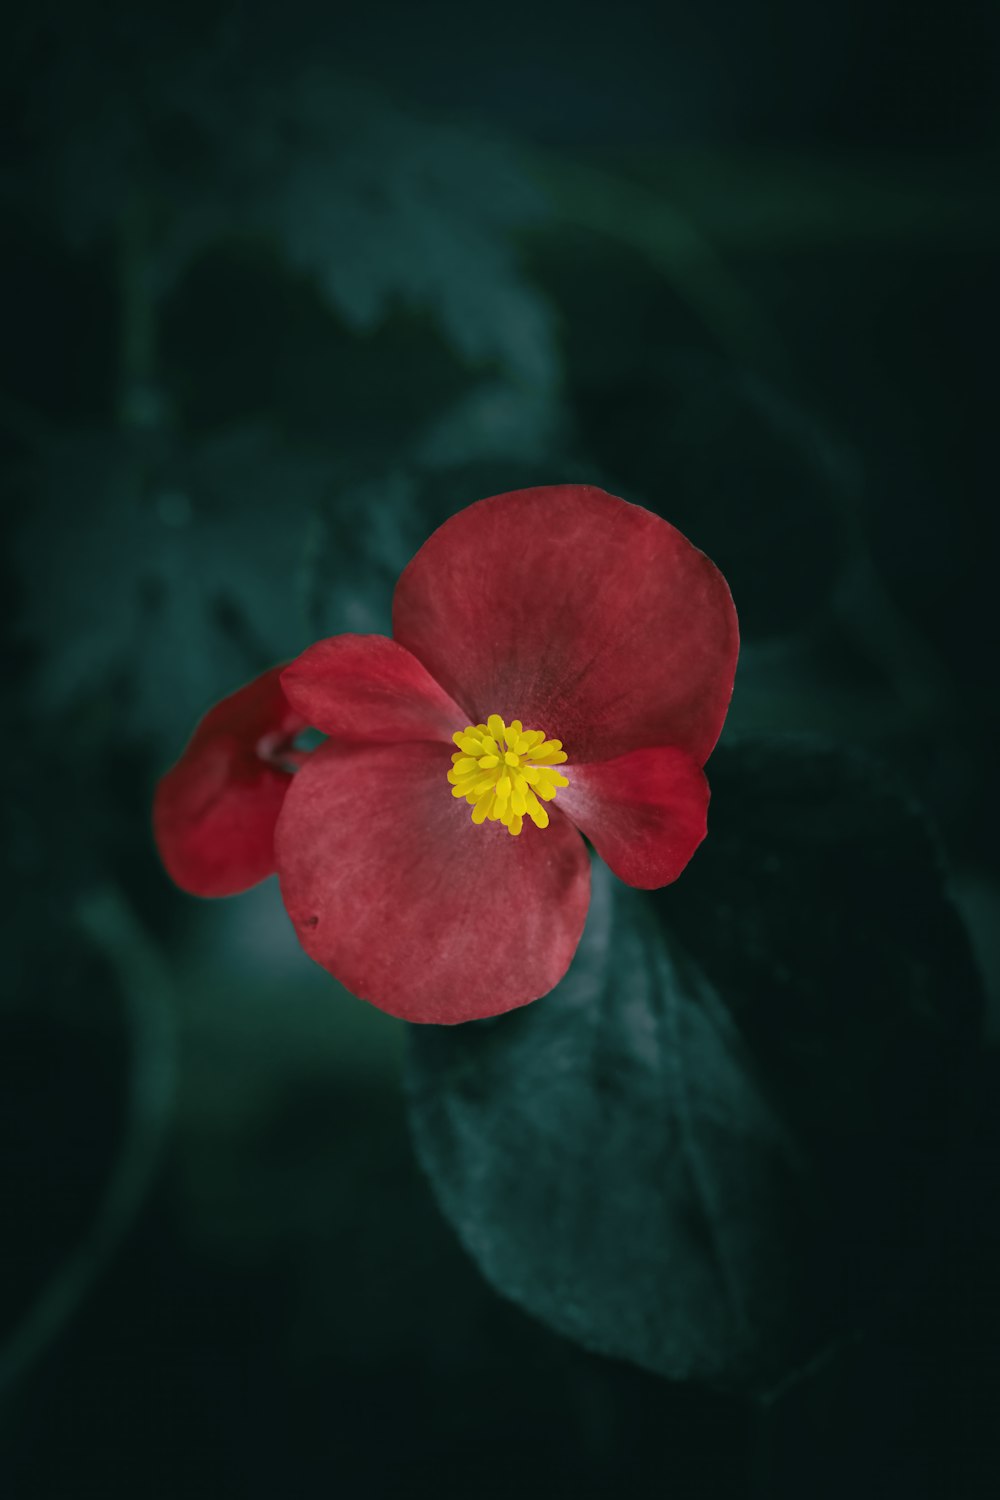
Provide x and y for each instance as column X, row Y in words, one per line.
column 502, row 771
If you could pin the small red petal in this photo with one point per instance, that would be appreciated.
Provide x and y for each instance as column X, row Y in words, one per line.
column 645, row 813
column 214, row 812
column 394, row 890
column 576, row 613
column 368, row 688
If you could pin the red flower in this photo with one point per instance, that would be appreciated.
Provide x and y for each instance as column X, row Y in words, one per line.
column 577, row 651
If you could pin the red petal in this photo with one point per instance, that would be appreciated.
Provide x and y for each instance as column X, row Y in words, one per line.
column 407, row 902
column 645, row 813
column 578, row 614
column 214, row 812
column 368, row 688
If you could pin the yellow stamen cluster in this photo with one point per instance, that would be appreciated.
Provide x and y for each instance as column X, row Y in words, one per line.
column 502, row 771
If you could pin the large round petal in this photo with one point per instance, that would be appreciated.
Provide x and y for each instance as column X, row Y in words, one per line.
column 411, row 905
column 645, row 813
column 214, row 812
column 368, row 688
column 576, row 613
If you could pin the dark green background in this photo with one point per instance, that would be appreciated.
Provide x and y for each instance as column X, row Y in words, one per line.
column 280, row 288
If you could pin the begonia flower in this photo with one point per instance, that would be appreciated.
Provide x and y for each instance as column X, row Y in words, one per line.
column 561, row 664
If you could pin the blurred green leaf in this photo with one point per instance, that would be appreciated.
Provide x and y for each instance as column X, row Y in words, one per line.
column 386, row 210
column 166, row 577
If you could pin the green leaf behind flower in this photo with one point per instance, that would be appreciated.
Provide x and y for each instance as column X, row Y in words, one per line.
column 720, row 1144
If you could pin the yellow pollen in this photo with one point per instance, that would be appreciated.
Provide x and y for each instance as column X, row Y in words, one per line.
column 503, row 769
